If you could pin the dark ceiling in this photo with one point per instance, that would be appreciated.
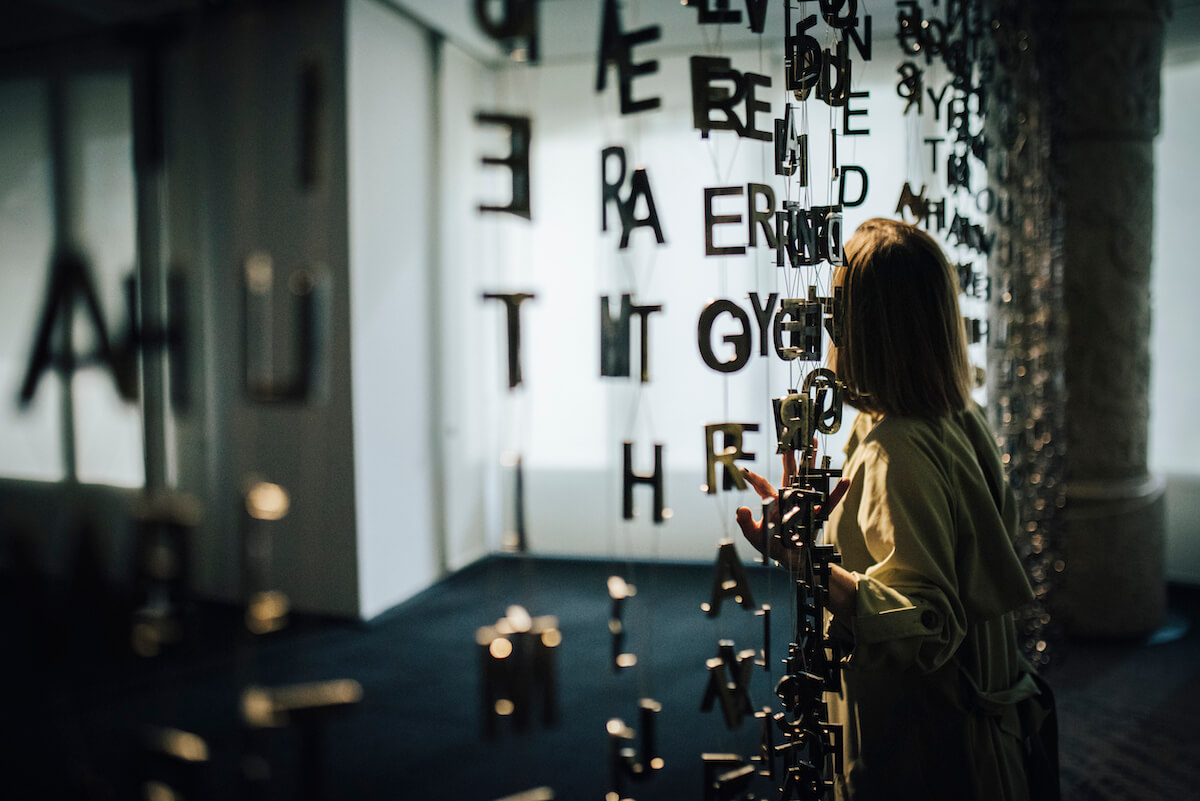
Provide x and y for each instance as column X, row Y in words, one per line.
column 25, row 23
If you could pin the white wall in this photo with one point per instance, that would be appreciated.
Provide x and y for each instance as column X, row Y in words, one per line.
column 1175, row 381
column 389, row 107
column 468, row 266
column 101, row 225
column 568, row 422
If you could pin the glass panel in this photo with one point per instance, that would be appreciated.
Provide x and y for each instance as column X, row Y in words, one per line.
column 101, row 179
column 30, row 437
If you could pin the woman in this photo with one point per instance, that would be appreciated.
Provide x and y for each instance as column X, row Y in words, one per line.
column 931, row 696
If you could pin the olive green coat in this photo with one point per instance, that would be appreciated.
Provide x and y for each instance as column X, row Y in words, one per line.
column 931, row 682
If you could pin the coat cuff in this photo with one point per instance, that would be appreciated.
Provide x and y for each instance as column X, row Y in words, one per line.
column 882, row 614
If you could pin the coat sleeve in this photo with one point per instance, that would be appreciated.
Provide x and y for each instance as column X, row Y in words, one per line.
column 908, row 613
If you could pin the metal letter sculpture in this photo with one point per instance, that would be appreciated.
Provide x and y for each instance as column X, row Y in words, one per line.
column 864, row 184
column 625, row 763
column 802, row 320
column 517, row 161
column 147, row 336
column 965, row 232
column 176, row 762
column 616, row 47
column 763, row 315
column 266, row 377
column 711, row 220
column 517, row 28
column 655, row 480
column 614, row 337
column 825, row 393
column 740, row 341
column 811, row 743
column 639, row 187
column 729, row 581
column 756, row 10
column 791, row 151
column 518, row 664
column 793, row 422
column 264, row 503
column 914, row 204
column 726, row 777
column 706, row 71
column 731, row 452
column 512, row 308
column 165, row 523
column 70, row 282
column 306, row 707
column 729, row 682
column 619, row 590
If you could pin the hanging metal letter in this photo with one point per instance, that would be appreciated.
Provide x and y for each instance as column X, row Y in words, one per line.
column 639, row 186
column 624, row 761
column 791, row 151
column 731, row 452
column 70, row 281
column 264, row 502
column 863, row 186
column 619, row 590
column 512, row 308
column 517, row 161
column 711, row 220
column 914, row 204
column 729, row 581
column 803, row 322
column 519, row 668
column 614, row 337
column 793, row 422
column 306, row 708
column 715, row 16
column 834, row 84
column 616, row 47
column 267, row 378
column 176, row 763
column 517, row 28
column 803, row 58
column 165, row 524
column 761, row 218
column 820, row 386
column 763, row 313
column 707, row 97
column 729, row 682
column 655, row 480
column 643, row 313
column 610, row 191
column 148, row 336
column 740, row 342
column 764, row 660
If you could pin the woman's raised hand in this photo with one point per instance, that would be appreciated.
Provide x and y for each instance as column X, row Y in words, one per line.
column 755, row 531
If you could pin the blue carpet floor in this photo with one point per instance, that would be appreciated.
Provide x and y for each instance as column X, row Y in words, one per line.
column 79, row 704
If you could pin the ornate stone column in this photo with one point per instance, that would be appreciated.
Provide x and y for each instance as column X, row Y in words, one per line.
column 1115, row 582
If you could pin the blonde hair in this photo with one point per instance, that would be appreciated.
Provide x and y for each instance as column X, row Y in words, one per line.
column 903, row 348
